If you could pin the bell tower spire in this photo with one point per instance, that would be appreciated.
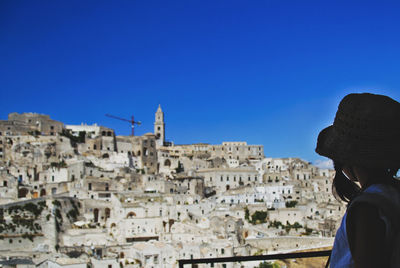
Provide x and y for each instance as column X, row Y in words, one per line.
column 159, row 126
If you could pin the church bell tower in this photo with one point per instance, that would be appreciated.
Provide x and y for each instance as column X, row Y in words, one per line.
column 159, row 127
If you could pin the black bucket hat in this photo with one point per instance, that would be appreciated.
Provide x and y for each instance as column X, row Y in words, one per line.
column 365, row 132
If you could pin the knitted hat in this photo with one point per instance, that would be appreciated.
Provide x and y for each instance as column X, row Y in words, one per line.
column 365, row 132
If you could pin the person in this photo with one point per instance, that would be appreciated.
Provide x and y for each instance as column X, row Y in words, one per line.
column 364, row 144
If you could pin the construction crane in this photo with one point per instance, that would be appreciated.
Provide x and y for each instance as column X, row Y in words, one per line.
column 132, row 121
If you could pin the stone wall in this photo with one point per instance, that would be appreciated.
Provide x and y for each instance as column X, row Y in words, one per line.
column 282, row 244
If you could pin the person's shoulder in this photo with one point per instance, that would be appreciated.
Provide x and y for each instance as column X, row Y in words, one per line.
column 384, row 188
column 379, row 195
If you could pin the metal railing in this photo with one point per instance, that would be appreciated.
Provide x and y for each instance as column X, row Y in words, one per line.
column 297, row 255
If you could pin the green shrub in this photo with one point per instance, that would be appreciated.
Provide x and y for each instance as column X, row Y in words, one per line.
column 60, row 164
column 14, row 209
column 259, row 217
column 58, row 213
column 29, row 236
column 58, row 227
column 42, row 204
column 246, row 213
column 291, row 204
column 57, row 203
column 268, row 265
column 73, row 139
column 275, row 224
column 33, row 208
column 72, row 214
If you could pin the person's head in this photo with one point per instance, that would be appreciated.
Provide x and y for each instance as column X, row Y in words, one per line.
column 363, row 142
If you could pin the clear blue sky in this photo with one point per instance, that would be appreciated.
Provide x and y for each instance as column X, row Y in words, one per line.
column 266, row 72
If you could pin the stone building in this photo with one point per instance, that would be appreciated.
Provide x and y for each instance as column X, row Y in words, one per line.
column 239, row 151
column 285, row 215
column 8, row 186
column 91, row 131
column 142, row 148
column 223, row 179
column 189, row 185
column 30, row 123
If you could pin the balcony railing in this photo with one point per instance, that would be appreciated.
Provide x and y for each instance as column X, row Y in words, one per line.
column 297, row 255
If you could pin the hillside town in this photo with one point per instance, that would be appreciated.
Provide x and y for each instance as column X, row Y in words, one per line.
column 82, row 196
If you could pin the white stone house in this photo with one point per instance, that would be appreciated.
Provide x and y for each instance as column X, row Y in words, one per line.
column 285, row 215
column 224, row 179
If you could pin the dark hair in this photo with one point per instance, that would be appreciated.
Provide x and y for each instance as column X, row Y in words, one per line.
column 345, row 190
